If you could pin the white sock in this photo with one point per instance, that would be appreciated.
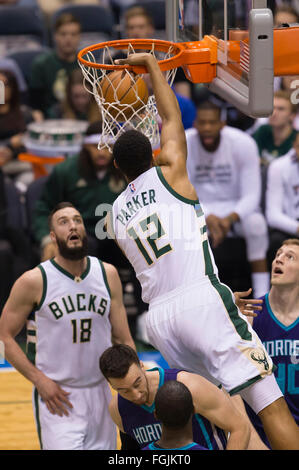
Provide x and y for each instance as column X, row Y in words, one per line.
column 260, row 283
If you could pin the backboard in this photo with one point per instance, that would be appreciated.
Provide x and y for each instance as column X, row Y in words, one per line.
column 243, row 30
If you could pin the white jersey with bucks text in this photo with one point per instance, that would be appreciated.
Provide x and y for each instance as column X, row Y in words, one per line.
column 70, row 328
column 163, row 235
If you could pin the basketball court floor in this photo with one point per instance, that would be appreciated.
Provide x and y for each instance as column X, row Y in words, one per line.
column 17, row 426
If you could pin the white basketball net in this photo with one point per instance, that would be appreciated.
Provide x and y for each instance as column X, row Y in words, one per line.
column 117, row 117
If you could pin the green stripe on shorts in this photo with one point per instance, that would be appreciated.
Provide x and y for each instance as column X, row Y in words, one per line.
column 37, row 418
column 31, row 352
column 239, row 323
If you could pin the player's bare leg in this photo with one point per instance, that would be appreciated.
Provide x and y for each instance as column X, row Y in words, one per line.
column 280, row 426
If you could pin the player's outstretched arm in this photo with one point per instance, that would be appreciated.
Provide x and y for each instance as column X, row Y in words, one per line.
column 25, row 295
column 214, row 405
column 172, row 141
column 118, row 316
column 114, row 413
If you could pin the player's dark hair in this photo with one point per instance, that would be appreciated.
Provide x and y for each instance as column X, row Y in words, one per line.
column 58, row 207
column 116, row 361
column 173, row 404
column 209, row 106
column 138, row 10
column 133, row 154
column 66, row 18
column 285, row 8
column 286, row 95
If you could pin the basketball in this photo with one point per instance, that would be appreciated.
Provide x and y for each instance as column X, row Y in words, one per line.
column 122, row 94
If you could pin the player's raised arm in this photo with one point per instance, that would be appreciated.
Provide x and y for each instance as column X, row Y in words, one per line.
column 173, row 142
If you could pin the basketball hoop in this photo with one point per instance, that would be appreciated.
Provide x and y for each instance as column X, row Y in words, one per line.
column 97, row 63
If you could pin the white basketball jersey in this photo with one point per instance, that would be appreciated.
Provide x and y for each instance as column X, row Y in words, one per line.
column 163, row 235
column 70, row 329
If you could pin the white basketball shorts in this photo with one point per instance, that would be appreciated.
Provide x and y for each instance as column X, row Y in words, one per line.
column 199, row 328
column 88, row 426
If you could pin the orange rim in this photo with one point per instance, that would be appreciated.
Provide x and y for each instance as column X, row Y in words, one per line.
column 160, row 45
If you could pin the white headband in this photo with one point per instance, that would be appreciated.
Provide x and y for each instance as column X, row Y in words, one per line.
column 95, row 139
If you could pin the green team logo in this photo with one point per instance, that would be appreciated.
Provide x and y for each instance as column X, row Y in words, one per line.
column 260, row 357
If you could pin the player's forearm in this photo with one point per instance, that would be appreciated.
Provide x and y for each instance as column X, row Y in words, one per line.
column 239, row 438
column 255, row 442
column 15, row 356
column 123, row 338
column 167, row 104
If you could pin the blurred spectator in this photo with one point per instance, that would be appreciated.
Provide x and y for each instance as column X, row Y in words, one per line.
column 290, row 83
column 223, row 165
column 188, row 110
column 50, row 70
column 231, row 115
column 15, row 252
column 78, row 103
column 285, row 14
column 276, row 138
column 14, row 119
column 282, row 199
column 11, row 65
column 138, row 23
column 87, row 181
column 6, row 255
column 49, row 7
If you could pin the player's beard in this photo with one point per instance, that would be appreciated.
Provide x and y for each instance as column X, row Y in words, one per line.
column 74, row 254
column 213, row 146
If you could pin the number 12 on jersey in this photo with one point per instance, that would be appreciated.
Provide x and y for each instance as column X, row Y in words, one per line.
column 151, row 239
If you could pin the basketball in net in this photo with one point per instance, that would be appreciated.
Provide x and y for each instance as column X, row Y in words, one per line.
column 120, row 90
column 123, row 94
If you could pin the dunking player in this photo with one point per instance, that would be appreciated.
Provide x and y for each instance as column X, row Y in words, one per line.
column 133, row 408
column 278, row 326
column 192, row 319
column 77, row 305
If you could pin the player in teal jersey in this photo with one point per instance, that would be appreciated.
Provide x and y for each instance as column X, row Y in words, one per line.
column 278, row 327
column 174, row 409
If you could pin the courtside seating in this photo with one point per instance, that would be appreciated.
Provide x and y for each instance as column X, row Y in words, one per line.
column 15, row 232
column 21, row 27
column 15, row 215
column 32, row 195
column 24, row 59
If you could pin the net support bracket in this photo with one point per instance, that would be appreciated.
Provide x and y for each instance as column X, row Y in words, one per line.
column 259, row 102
